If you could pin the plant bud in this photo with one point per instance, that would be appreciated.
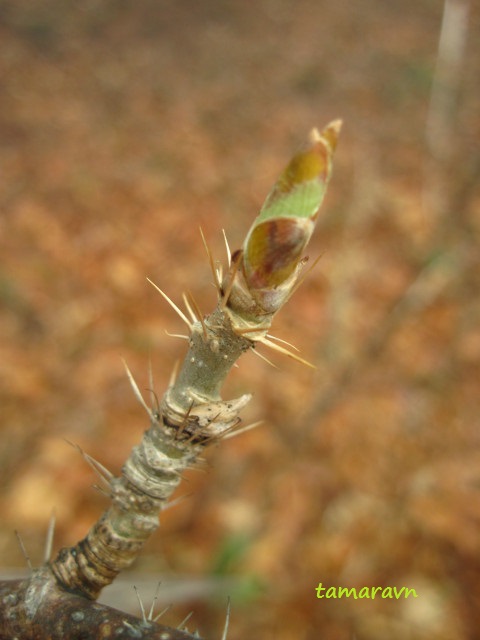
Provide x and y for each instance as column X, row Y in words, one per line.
column 274, row 245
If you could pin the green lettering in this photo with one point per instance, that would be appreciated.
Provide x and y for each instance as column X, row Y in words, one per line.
column 365, row 592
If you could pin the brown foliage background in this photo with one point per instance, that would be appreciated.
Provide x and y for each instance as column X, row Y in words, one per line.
column 124, row 127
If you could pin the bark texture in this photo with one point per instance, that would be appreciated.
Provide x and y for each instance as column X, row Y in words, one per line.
column 39, row 609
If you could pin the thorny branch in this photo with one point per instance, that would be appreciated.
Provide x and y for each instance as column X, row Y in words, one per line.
column 57, row 601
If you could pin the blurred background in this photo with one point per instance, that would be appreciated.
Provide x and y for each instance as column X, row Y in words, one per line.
column 125, row 126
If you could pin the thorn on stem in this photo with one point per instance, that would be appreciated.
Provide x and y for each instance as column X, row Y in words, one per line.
column 173, row 305
column 184, row 423
column 189, row 308
column 238, row 432
column 142, row 608
column 301, row 280
column 262, row 357
column 199, row 315
column 286, row 352
column 154, row 602
column 182, row 336
column 232, row 272
column 162, row 612
column 24, row 550
column 227, row 247
column 227, row 620
column 136, row 390
column 216, row 279
column 282, row 341
column 102, row 472
column 173, row 375
column 185, row 620
column 49, row 539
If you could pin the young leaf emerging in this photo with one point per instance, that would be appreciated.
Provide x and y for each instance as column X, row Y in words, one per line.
column 273, row 248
